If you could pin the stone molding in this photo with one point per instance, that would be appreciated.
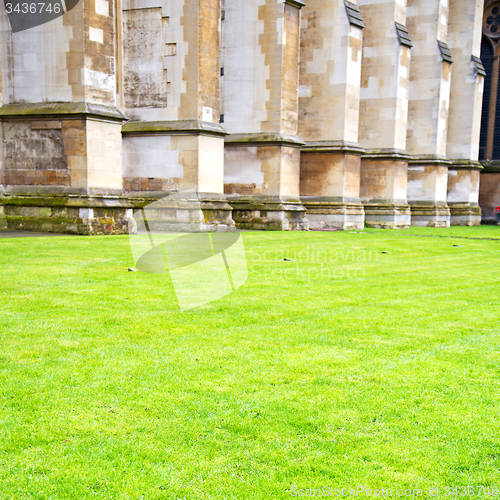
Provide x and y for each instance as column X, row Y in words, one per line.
column 342, row 147
column 263, row 139
column 62, row 110
column 11, row 197
column 176, row 127
column 429, row 160
column 386, row 154
column 491, row 166
column 296, row 3
column 466, row 164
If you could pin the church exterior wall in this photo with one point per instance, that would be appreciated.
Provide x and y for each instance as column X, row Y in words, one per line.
column 280, row 114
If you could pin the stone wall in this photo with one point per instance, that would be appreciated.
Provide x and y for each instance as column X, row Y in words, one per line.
column 324, row 114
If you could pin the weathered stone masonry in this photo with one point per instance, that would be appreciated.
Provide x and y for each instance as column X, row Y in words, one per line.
column 280, row 114
column 489, row 194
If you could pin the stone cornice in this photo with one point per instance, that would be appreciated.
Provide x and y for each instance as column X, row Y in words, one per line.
column 329, row 200
column 264, row 198
column 177, row 127
column 263, row 139
column 296, row 3
column 333, row 147
column 386, row 154
column 61, row 110
column 491, row 166
column 429, row 160
column 466, row 164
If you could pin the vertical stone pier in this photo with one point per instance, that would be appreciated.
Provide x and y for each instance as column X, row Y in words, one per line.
column 384, row 113
column 260, row 106
column 464, row 40
column 330, row 75
column 62, row 165
column 429, row 98
column 171, row 92
column 489, row 192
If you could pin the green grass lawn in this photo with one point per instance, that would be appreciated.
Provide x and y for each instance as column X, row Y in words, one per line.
column 368, row 358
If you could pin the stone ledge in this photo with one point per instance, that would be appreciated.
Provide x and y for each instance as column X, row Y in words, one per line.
column 262, row 198
column 383, row 214
column 207, row 200
column 61, row 214
column 327, row 200
column 28, row 190
column 342, row 147
column 428, row 203
column 384, row 203
column 464, row 207
column 386, row 154
column 296, row 3
column 266, row 207
column 422, row 209
column 62, row 200
column 465, row 214
column 429, row 160
column 176, row 127
column 276, row 215
column 491, row 166
column 101, row 225
column 61, row 109
column 264, row 140
column 466, row 164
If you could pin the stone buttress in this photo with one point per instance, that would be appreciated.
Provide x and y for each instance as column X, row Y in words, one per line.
column 273, row 114
column 62, row 152
column 173, row 142
column 260, row 68
column 429, row 99
column 467, row 79
column 384, row 113
column 329, row 91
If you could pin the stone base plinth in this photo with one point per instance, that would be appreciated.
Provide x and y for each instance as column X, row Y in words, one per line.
column 465, row 214
column 427, row 191
column 329, row 184
column 184, row 211
column 113, row 214
column 261, row 181
column 383, row 189
column 63, row 169
column 428, row 214
column 272, row 213
column 325, row 213
column 463, row 193
column 66, row 213
column 387, row 215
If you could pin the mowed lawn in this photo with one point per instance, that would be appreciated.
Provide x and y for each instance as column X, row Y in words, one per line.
column 367, row 358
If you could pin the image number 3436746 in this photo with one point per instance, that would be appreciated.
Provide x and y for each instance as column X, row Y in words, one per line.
column 26, row 14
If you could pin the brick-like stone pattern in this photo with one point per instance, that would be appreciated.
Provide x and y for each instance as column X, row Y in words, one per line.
column 159, row 60
column 330, row 73
column 34, row 154
column 330, row 175
column 150, row 184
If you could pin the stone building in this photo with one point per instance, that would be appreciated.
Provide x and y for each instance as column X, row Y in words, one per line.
column 489, row 150
column 278, row 114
